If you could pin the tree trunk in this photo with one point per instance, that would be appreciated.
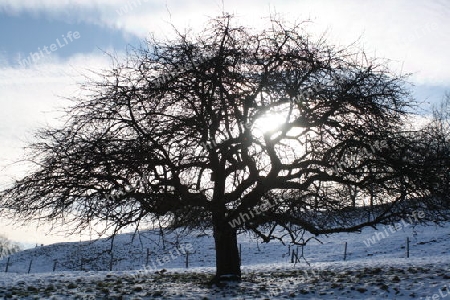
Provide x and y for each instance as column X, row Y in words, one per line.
column 228, row 265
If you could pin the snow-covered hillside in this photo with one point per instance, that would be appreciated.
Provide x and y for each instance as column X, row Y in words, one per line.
column 145, row 265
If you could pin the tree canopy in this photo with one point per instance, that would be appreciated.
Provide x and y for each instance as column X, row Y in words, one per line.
column 177, row 135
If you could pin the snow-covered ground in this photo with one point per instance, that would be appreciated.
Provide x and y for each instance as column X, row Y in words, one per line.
column 145, row 266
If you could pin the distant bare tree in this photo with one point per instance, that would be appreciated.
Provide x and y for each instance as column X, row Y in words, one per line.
column 7, row 247
column 170, row 136
column 432, row 155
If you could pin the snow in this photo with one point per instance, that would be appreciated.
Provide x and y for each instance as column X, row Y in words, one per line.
column 375, row 270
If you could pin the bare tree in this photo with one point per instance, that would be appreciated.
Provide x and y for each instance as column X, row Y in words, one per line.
column 8, row 247
column 172, row 136
column 431, row 156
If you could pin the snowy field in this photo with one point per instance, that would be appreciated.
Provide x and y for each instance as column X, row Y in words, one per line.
column 145, row 267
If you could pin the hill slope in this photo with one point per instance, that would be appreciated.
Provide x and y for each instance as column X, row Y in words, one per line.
column 149, row 249
column 376, row 267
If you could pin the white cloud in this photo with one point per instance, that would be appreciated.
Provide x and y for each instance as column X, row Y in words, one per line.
column 413, row 34
column 31, row 98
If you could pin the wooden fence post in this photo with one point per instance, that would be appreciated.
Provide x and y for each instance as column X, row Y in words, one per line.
column 187, row 259
column 7, row 265
column 29, row 267
column 111, row 261
column 345, row 251
column 407, row 247
column 148, row 256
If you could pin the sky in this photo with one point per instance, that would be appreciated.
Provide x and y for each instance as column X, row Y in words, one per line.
column 47, row 46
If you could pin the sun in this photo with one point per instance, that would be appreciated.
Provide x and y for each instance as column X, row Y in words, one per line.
column 269, row 122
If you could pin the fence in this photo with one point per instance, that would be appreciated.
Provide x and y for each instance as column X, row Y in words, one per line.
column 104, row 260
column 97, row 257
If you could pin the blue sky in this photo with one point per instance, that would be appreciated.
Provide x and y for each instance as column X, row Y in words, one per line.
column 25, row 33
column 414, row 35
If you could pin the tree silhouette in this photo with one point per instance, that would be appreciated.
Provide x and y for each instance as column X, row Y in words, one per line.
column 174, row 136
